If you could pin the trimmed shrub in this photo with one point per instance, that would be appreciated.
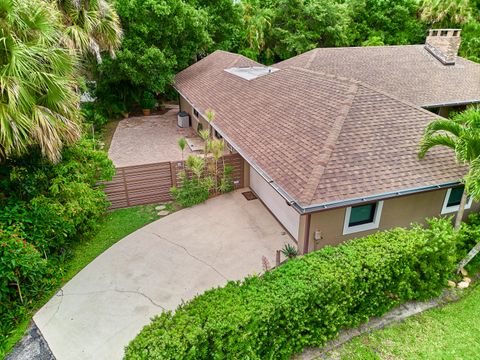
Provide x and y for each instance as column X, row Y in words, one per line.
column 307, row 301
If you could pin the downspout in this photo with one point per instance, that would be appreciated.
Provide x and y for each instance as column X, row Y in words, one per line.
column 306, row 236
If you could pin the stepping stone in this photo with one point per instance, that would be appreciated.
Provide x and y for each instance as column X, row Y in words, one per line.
column 163, row 213
column 160, row 207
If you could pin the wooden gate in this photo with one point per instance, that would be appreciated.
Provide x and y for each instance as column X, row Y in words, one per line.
column 151, row 183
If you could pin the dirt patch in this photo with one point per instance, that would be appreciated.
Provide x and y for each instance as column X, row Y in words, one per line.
column 107, row 133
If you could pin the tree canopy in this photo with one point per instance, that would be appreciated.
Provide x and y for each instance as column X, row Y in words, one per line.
column 161, row 38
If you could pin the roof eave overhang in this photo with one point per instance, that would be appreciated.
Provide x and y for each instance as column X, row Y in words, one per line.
column 451, row 103
column 378, row 197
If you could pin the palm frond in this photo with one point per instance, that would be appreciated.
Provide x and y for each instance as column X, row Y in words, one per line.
column 38, row 103
column 443, row 125
column 429, row 142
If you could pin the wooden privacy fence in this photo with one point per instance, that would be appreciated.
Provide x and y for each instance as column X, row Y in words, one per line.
column 151, row 183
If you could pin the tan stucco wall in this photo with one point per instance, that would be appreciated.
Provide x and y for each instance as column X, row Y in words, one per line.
column 396, row 212
column 246, row 174
column 185, row 106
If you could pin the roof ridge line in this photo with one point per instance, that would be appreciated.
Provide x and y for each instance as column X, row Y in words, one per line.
column 311, row 58
column 324, row 74
column 325, row 153
column 405, row 102
column 361, row 83
column 238, row 57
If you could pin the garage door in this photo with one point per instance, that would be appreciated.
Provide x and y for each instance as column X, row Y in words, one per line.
column 287, row 215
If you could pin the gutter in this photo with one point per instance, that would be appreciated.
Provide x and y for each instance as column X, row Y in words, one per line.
column 328, row 205
column 458, row 103
column 372, row 198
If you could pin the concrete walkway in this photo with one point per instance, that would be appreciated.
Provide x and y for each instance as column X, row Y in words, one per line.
column 100, row 310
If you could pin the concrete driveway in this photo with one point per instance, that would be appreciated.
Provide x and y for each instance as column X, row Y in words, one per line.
column 155, row 268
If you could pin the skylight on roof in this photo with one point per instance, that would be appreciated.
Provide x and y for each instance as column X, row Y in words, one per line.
column 251, row 72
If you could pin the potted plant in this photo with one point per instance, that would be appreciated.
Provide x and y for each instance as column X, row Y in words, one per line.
column 147, row 102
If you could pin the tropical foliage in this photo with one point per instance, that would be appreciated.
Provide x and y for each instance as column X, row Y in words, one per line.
column 448, row 11
column 45, row 209
column 306, row 301
column 203, row 174
column 91, row 27
column 39, row 105
column 462, row 134
column 163, row 37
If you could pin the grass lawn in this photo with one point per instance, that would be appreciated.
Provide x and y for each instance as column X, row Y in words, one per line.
column 113, row 227
column 449, row 332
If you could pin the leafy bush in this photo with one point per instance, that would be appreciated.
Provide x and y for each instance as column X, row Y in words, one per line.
column 93, row 116
column 148, row 101
column 468, row 235
column 21, row 265
column 22, row 270
column 56, row 203
column 192, row 192
column 226, row 182
column 45, row 208
column 305, row 302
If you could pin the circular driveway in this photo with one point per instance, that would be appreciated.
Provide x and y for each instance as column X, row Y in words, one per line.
column 156, row 268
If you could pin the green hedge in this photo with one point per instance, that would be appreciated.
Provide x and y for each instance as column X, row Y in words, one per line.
column 307, row 301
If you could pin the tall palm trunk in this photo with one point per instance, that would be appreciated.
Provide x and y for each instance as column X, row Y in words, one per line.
column 461, row 210
column 475, row 250
column 458, row 220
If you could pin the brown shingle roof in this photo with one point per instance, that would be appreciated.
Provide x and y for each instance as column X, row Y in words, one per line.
column 408, row 71
column 320, row 137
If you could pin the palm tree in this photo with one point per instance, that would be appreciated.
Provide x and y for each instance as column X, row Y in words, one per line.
column 462, row 134
column 205, row 136
column 196, row 165
column 38, row 103
column 182, row 144
column 449, row 11
column 91, row 26
column 217, row 147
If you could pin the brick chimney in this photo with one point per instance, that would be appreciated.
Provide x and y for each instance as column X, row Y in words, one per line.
column 444, row 44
